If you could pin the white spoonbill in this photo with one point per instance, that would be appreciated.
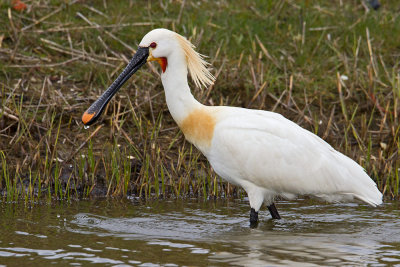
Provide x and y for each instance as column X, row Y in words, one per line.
column 261, row 151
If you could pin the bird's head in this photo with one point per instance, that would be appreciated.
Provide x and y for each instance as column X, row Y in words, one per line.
column 161, row 43
column 158, row 45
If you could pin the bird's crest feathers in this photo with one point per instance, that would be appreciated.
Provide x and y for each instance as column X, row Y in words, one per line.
column 196, row 64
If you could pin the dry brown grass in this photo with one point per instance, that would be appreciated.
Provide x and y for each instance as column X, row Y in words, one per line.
column 57, row 57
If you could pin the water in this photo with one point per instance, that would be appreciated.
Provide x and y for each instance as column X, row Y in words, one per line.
column 197, row 233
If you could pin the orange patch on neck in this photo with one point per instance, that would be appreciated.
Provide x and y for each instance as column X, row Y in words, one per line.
column 198, row 127
column 163, row 63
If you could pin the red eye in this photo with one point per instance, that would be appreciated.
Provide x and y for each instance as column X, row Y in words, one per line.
column 153, row 45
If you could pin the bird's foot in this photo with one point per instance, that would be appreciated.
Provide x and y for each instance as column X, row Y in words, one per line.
column 253, row 218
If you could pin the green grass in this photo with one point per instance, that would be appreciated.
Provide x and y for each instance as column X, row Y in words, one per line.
column 286, row 56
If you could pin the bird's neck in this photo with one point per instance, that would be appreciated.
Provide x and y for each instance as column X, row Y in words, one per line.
column 179, row 99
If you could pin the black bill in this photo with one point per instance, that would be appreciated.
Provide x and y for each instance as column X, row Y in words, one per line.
column 95, row 110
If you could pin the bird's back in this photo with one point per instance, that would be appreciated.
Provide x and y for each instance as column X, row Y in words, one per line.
column 271, row 152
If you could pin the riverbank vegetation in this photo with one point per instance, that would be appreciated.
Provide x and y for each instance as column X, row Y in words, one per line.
column 330, row 66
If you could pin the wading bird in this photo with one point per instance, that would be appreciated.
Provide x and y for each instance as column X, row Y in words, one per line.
column 261, row 151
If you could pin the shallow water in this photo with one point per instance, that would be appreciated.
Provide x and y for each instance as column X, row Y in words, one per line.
column 197, row 233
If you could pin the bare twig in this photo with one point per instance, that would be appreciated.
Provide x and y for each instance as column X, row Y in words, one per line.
column 80, row 28
column 258, row 92
column 265, row 51
column 84, row 143
column 8, row 115
column 43, row 18
column 74, row 52
column 371, row 55
column 130, row 48
column 95, row 10
column 46, row 65
column 178, row 20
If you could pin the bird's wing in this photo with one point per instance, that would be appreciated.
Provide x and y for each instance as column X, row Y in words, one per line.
column 268, row 150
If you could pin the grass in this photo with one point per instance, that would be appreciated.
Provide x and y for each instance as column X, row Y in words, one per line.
column 330, row 66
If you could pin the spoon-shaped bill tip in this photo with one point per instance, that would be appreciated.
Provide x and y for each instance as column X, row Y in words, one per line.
column 87, row 117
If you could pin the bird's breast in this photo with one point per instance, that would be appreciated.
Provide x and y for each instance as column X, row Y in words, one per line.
column 198, row 128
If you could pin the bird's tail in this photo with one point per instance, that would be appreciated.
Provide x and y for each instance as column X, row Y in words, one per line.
column 363, row 187
column 371, row 195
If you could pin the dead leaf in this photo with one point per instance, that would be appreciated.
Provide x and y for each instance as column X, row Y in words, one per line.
column 19, row 5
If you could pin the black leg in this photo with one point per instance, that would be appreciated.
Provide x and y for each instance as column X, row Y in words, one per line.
column 253, row 218
column 274, row 212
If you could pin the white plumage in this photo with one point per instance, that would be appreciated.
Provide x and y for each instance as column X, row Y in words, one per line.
column 271, row 156
column 262, row 151
column 266, row 154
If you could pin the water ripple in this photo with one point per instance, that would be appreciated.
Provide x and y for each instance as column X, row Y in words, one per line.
column 173, row 233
